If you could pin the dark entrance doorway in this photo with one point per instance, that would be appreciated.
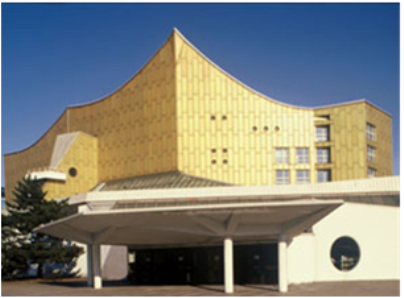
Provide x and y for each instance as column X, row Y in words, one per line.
column 253, row 264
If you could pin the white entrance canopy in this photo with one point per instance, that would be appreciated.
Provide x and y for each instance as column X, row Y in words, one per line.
column 204, row 216
column 200, row 215
column 189, row 225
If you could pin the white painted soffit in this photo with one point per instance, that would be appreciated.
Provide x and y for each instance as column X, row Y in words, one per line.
column 167, row 225
column 388, row 185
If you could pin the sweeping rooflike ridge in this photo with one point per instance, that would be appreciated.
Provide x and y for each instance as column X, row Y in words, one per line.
column 183, row 113
column 172, row 39
column 179, row 34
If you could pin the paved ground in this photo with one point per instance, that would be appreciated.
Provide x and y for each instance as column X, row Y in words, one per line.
column 78, row 288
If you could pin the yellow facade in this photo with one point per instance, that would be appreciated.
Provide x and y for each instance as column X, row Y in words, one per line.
column 82, row 156
column 182, row 112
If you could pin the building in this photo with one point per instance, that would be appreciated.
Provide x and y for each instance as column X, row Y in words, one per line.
column 183, row 113
column 183, row 122
column 3, row 202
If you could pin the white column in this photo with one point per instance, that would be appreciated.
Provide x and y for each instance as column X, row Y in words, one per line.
column 283, row 264
column 228, row 266
column 96, row 254
column 89, row 265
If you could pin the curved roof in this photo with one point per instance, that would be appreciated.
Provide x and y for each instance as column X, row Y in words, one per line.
column 176, row 31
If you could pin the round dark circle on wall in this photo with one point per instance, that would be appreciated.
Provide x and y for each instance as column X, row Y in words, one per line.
column 73, row 172
column 277, row 128
column 345, row 253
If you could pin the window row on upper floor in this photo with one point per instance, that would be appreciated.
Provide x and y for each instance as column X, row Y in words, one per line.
column 302, row 176
column 302, row 155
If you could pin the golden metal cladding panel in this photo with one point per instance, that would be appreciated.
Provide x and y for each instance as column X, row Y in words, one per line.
column 182, row 112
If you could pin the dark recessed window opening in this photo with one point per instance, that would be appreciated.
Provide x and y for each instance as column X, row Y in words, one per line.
column 325, row 117
column 73, row 172
column 213, row 161
column 225, row 161
column 212, row 117
column 224, row 118
column 213, row 150
column 277, row 128
column 224, row 150
column 255, row 128
column 266, row 128
column 345, row 253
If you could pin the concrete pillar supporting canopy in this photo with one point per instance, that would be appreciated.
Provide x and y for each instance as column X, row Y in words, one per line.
column 90, row 277
column 283, row 264
column 228, row 266
column 96, row 262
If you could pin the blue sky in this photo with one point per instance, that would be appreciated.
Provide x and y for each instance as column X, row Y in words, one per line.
column 55, row 55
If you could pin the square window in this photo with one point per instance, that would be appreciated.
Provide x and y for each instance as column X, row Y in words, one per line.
column 323, row 155
column 282, row 155
column 322, row 133
column 323, row 176
column 303, row 176
column 282, row 177
column 371, row 173
column 302, row 155
column 370, row 132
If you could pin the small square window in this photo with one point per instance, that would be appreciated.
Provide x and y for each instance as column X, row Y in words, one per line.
column 323, row 176
column 282, row 177
column 371, row 173
column 323, row 155
column 282, row 155
column 302, row 155
column 303, row 176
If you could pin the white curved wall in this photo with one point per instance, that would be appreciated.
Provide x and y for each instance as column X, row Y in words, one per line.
column 376, row 230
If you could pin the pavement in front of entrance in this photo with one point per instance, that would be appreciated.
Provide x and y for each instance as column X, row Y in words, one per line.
column 78, row 288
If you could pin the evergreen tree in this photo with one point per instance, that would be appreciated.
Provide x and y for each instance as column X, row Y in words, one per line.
column 13, row 257
column 29, row 210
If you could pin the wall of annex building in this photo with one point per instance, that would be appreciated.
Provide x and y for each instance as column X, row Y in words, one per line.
column 376, row 232
column 348, row 141
column 135, row 127
column 384, row 156
column 228, row 132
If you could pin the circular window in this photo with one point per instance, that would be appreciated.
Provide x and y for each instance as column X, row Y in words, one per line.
column 213, row 150
column 345, row 253
column 224, row 118
column 225, row 161
column 255, row 128
column 277, row 128
column 224, row 150
column 266, row 128
column 213, row 161
column 72, row 172
column 213, row 118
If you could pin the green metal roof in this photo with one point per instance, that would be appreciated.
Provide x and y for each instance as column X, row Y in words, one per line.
column 158, row 181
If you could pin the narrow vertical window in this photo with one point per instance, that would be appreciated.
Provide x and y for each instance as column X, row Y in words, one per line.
column 323, row 133
column 371, row 154
column 323, row 155
column 371, row 173
column 370, row 132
